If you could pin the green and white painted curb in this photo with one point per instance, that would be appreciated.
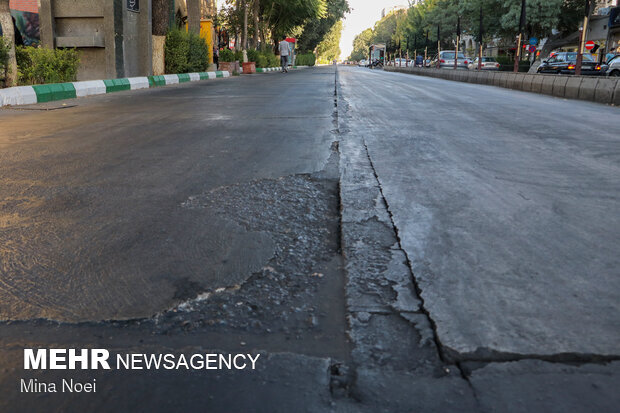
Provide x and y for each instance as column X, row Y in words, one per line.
column 276, row 69
column 27, row 95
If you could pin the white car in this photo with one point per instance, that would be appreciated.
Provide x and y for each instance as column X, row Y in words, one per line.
column 363, row 63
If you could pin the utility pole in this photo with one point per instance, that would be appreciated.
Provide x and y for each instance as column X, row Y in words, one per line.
column 520, row 37
column 480, row 41
column 458, row 40
column 582, row 39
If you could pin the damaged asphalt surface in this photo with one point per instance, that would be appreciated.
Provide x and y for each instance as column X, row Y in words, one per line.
column 409, row 250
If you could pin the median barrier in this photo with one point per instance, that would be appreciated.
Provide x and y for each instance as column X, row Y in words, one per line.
column 517, row 83
column 587, row 88
column 526, row 85
column 547, row 85
column 559, row 85
column 604, row 92
column 571, row 90
column 510, row 80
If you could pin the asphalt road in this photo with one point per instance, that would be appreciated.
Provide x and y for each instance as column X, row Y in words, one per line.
column 508, row 207
column 93, row 226
column 385, row 242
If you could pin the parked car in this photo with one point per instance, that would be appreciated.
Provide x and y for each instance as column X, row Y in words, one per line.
column 488, row 63
column 564, row 63
column 614, row 66
column 446, row 60
column 363, row 63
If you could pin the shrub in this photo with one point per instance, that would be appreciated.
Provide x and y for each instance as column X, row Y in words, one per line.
column 253, row 55
column 177, row 51
column 239, row 55
column 306, row 59
column 262, row 61
column 507, row 64
column 41, row 65
column 198, row 54
column 227, row 55
column 267, row 59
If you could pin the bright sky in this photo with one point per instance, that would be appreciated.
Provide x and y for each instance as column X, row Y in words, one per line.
column 364, row 14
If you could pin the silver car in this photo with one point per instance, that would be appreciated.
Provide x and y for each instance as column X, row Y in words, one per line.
column 488, row 63
column 446, row 60
column 614, row 66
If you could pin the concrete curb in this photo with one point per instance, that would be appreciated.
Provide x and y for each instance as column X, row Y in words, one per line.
column 276, row 69
column 27, row 95
column 594, row 89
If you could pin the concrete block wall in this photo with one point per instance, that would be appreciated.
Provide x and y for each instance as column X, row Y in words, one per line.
column 595, row 89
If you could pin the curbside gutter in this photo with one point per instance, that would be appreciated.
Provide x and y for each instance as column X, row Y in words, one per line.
column 591, row 88
column 27, row 95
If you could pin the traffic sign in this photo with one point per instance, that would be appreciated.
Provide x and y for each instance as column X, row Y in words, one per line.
column 590, row 45
column 533, row 41
column 532, row 49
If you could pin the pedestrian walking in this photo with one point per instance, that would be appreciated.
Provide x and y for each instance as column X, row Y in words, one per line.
column 285, row 51
column 216, row 57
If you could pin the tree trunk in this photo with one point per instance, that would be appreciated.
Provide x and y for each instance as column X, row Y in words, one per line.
column 245, row 25
column 9, row 35
column 256, row 22
column 161, row 17
column 193, row 16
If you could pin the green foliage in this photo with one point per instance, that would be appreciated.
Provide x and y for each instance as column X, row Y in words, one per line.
column 4, row 57
column 329, row 48
column 507, row 64
column 41, row 65
column 262, row 61
column 239, row 55
column 361, row 45
column 227, row 55
column 267, row 59
column 500, row 19
column 315, row 30
column 198, row 54
column 253, row 55
column 305, row 59
column 177, row 51
column 272, row 59
column 283, row 16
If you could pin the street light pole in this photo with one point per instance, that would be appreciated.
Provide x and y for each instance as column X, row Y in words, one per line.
column 582, row 40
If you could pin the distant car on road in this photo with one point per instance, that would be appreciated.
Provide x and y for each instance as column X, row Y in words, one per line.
column 363, row 63
column 564, row 63
column 488, row 63
column 613, row 69
column 446, row 60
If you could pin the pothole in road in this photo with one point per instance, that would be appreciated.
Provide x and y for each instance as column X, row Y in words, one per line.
column 299, row 295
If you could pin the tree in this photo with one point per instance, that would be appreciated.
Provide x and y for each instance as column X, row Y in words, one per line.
column 329, row 48
column 8, row 32
column 361, row 45
column 315, row 30
column 284, row 16
column 160, row 11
